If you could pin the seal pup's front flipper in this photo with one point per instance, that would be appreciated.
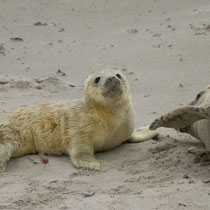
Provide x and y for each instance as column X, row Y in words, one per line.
column 142, row 134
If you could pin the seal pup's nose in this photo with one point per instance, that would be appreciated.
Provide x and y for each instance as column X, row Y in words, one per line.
column 112, row 80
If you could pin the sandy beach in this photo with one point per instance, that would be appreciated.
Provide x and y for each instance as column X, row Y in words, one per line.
column 48, row 49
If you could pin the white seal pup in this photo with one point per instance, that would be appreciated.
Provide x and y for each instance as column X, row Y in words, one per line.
column 100, row 122
column 193, row 118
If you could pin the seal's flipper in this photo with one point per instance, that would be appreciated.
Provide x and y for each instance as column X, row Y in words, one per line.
column 181, row 117
column 142, row 134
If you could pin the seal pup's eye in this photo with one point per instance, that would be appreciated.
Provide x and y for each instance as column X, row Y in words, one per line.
column 97, row 79
column 118, row 75
column 198, row 96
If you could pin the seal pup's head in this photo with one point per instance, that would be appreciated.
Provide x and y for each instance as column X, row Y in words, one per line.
column 108, row 88
column 202, row 98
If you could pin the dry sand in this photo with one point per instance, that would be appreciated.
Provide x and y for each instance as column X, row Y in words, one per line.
column 163, row 48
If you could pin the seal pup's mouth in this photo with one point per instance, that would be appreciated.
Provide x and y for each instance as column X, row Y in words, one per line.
column 112, row 87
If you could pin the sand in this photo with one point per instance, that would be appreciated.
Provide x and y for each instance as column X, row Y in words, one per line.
column 47, row 50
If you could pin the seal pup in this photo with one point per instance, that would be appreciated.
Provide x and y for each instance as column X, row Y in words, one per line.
column 193, row 119
column 100, row 122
